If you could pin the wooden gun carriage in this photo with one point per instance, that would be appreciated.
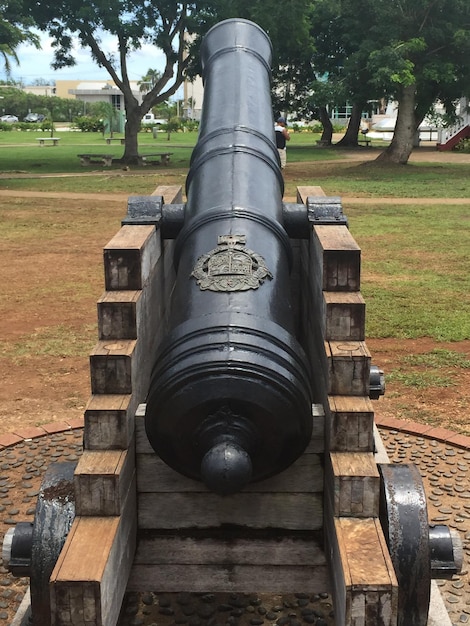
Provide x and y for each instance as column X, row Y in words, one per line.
column 327, row 518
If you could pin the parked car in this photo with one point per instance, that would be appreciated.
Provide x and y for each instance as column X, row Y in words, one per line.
column 9, row 118
column 34, row 117
column 150, row 119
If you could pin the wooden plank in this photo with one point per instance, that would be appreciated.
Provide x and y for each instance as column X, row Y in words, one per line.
column 304, row 476
column 352, row 424
column 89, row 580
column 344, row 316
column 370, row 595
column 227, row 547
column 295, row 282
column 303, row 192
column 102, row 480
column 355, row 484
column 171, row 193
column 130, row 256
column 229, row 563
column 314, row 344
column 122, row 367
column 340, row 258
column 334, row 259
column 117, row 315
column 233, row 578
column 339, row 570
column 111, row 367
column 296, row 511
column 349, row 368
column 316, row 444
column 109, row 423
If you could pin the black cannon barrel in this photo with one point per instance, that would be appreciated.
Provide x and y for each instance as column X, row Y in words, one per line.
column 230, row 395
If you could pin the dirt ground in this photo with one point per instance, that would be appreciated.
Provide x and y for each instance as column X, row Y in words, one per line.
column 39, row 388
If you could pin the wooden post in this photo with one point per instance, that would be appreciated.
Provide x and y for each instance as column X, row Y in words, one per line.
column 90, row 578
column 365, row 589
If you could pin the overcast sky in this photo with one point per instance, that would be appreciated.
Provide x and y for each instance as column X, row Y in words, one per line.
column 36, row 64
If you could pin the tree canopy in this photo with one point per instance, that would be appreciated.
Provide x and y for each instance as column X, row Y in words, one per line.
column 131, row 23
column 411, row 51
column 325, row 52
column 424, row 57
column 15, row 27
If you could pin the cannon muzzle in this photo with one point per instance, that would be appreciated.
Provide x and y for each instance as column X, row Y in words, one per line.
column 230, row 395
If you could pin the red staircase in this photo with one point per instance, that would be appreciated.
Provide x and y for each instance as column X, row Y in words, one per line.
column 449, row 137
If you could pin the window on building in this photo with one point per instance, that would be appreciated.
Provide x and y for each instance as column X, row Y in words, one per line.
column 341, row 113
column 116, row 101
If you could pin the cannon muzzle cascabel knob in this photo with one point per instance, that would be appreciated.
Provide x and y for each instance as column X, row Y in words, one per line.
column 226, row 468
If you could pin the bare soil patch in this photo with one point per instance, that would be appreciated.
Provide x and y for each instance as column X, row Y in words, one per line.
column 51, row 276
column 50, row 285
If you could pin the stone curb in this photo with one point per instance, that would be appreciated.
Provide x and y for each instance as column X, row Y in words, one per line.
column 33, row 432
column 422, row 430
column 390, row 423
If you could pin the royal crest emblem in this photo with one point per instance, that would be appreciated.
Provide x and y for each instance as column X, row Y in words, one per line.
column 231, row 266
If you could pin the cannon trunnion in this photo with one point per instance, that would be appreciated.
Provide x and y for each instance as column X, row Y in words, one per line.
column 230, row 395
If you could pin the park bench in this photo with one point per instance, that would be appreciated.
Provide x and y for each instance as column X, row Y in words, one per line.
column 88, row 159
column 146, row 159
column 111, row 139
column 51, row 140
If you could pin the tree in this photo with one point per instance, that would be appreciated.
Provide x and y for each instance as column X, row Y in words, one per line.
column 411, row 51
column 288, row 28
column 426, row 58
column 109, row 113
column 15, row 27
column 148, row 82
column 162, row 23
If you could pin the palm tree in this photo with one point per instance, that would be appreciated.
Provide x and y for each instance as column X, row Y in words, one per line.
column 149, row 80
column 8, row 54
column 14, row 30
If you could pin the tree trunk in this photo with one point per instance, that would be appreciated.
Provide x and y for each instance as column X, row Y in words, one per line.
column 327, row 133
column 401, row 145
column 131, row 150
column 350, row 136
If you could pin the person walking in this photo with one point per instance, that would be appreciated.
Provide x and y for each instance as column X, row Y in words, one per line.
column 282, row 136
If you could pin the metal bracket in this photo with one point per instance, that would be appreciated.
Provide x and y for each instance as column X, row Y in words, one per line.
column 326, row 210
column 151, row 211
column 376, row 383
column 143, row 211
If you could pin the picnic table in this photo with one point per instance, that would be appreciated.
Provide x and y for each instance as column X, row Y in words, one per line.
column 88, row 159
column 111, row 139
column 146, row 159
column 45, row 140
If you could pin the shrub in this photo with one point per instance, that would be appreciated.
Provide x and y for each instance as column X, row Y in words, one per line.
column 463, row 146
column 190, row 125
column 8, row 126
column 87, row 124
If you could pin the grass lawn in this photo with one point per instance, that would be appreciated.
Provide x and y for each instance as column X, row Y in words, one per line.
column 20, row 154
column 415, row 277
column 412, row 255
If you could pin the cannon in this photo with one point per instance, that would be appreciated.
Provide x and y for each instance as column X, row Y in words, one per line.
column 230, row 395
column 231, row 349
